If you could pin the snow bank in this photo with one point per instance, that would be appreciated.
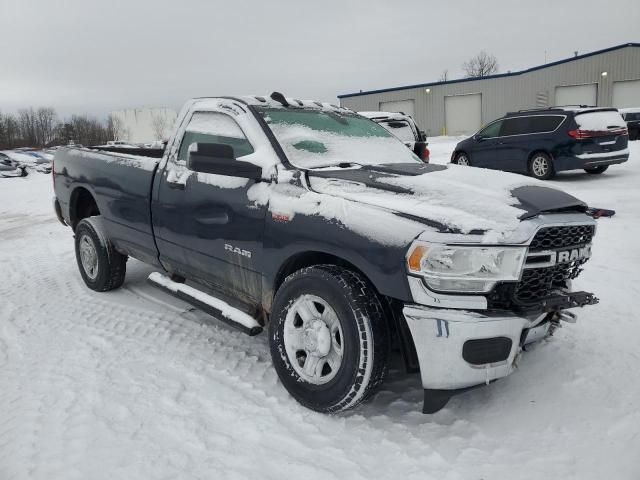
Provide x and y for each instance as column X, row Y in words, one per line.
column 132, row 384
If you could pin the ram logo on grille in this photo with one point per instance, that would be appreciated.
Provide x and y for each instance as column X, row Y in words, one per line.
column 573, row 254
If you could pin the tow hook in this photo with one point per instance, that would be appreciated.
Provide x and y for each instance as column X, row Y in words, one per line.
column 567, row 317
column 562, row 316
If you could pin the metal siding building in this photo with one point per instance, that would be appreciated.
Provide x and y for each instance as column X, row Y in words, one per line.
column 535, row 87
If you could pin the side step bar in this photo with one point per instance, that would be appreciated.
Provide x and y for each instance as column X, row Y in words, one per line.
column 208, row 304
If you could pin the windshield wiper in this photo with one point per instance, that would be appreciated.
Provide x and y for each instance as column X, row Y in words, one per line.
column 341, row 165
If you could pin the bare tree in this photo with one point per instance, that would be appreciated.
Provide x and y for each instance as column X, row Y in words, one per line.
column 115, row 128
column 159, row 124
column 444, row 76
column 28, row 127
column 481, row 65
column 45, row 124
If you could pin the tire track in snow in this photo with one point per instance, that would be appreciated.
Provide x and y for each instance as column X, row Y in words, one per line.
column 131, row 384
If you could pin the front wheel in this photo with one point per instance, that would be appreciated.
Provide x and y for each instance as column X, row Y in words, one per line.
column 597, row 170
column 328, row 337
column 462, row 159
column 541, row 166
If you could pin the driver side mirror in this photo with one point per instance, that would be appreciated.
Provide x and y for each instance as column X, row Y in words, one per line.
column 219, row 159
column 479, row 138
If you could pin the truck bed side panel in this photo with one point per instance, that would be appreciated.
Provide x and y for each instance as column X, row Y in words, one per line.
column 121, row 187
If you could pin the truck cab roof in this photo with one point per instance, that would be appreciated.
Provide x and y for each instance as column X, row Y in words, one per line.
column 275, row 100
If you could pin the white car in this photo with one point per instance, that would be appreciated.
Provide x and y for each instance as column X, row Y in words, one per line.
column 10, row 168
column 404, row 128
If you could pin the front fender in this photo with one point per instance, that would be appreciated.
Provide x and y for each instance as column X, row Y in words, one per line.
column 377, row 247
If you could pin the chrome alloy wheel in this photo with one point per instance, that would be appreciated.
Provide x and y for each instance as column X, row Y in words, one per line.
column 463, row 160
column 540, row 166
column 89, row 257
column 313, row 339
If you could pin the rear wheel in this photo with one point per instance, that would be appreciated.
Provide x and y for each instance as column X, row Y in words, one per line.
column 329, row 339
column 462, row 159
column 597, row 170
column 541, row 166
column 101, row 267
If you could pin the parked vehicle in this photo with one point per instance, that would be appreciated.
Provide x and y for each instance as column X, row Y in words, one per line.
column 632, row 117
column 545, row 141
column 318, row 223
column 10, row 168
column 405, row 128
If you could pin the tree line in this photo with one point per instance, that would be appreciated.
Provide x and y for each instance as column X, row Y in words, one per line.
column 41, row 127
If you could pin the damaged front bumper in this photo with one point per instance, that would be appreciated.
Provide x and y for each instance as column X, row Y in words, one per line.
column 461, row 349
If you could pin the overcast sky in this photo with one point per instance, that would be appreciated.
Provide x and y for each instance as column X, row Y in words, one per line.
column 87, row 56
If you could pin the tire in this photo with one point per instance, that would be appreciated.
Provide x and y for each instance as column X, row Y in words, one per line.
column 101, row 267
column 462, row 158
column 597, row 170
column 541, row 166
column 347, row 372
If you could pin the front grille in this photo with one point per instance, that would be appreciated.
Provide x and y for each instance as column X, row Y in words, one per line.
column 538, row 283
column 551, row 238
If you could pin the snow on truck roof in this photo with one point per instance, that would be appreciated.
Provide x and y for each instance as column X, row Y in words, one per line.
column 275, row 100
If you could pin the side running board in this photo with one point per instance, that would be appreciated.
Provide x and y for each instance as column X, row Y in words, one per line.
column 208, row 304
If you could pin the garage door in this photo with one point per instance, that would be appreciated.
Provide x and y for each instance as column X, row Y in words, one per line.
column 577, row 95
column 404, row 106
column 462, row 114
column 626, row 94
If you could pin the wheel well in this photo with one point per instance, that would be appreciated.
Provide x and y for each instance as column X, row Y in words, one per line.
column 457, row 153
column 391, row 307
column 82, row 205
column 308, row 259
column 539, row 151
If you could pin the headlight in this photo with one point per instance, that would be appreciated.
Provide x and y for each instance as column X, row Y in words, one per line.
column 459, row 268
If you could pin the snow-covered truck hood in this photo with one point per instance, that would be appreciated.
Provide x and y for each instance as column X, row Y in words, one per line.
column 450, row 198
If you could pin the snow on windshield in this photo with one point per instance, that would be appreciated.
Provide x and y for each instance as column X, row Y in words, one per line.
column 597, row 121
column 315, row 138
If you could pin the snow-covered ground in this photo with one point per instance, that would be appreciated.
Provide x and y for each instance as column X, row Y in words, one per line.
column 135, row 384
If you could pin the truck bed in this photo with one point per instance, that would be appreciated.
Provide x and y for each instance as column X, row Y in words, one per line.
column 121, row 185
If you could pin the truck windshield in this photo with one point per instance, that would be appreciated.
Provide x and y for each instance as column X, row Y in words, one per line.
column 323, row 138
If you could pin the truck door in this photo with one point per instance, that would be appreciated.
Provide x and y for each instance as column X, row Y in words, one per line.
column 205, row 225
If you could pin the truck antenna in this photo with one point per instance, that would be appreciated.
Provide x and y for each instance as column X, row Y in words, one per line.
column 278, row 97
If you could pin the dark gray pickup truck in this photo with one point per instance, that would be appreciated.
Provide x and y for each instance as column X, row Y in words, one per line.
column 318, row 223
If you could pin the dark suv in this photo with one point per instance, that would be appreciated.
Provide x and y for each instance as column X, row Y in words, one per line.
column 632, row 117
column 545, row 141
